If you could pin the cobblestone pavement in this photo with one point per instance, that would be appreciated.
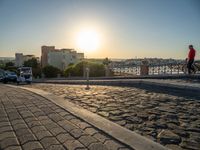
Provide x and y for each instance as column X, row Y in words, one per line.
column 170, row 120
column 29, row 121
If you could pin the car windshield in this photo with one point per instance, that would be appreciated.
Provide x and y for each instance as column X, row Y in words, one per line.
column 25, row 70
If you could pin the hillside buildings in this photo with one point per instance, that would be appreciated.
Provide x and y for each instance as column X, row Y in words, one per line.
column 4, row 60
column 150, row 62
column 20, row 59
column 59, row 58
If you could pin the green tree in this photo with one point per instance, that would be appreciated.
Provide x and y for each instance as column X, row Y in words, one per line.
column 2, row 65
column 106, row 61
column 31, row 63
column 69, row 71
column 37, row 72
column 96, row 69
column 9, row 64
column 50, row 71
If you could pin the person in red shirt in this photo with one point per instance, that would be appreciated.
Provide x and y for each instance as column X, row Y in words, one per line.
column 191, row 56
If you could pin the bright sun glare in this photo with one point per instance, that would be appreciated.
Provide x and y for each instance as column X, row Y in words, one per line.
column 88, row 40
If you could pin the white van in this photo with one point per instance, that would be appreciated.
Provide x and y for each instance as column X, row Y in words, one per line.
column 24, row 75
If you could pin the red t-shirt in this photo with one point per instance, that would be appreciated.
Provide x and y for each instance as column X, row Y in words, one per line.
column 191, row 54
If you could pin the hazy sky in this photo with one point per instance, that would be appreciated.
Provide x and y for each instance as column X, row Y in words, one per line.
column 128, row 28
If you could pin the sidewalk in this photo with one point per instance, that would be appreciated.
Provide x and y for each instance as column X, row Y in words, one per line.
column 29, row 121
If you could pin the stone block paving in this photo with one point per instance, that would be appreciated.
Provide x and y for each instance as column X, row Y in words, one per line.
column 29, row 122
column 170, row 120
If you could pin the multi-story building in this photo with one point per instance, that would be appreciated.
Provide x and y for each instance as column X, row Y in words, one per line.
column 59, row 58
column 80, row 56
column 44, row 54
column 28, row 57
column 20, row 59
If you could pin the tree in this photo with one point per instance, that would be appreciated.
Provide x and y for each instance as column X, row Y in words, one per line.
column 2, row 65
column 9, row 64
column 96, row 69
column 37, row 72
column 106, row 61
column 69, row 71
column 31, row 63
column 50, row 71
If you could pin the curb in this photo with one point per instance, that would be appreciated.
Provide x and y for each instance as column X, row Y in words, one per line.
column 121, row 134
column 161, row 76
column 128, row 83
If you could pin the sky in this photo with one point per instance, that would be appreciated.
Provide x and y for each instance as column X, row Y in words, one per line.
column 125, row 28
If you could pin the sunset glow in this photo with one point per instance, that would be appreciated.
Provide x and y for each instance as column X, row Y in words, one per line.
column 88, row 40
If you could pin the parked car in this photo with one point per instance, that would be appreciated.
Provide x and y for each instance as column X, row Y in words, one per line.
column 9, row 77
column 1, row 75
column 1, row 78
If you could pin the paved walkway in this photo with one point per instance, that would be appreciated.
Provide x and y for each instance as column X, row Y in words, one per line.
column 29, row 121
column 168, row 119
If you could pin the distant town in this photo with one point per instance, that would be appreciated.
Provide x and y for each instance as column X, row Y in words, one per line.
column 68, row 62
column 61, row 58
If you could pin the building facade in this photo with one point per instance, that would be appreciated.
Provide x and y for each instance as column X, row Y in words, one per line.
column 59, row 58
column 28, row 57
column 20, row 59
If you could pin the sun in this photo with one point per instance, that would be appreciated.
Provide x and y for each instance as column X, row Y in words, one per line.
column 88, row 40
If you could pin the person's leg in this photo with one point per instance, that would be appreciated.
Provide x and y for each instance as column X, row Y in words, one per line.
column 192, row 66
column 189, row 66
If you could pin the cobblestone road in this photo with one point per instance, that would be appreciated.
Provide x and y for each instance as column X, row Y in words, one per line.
column 29, row 121
column 170, row 120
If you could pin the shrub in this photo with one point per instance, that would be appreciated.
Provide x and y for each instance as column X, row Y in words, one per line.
column 9, row 64
column 69, row 71
column 96, row 69
column 50, row 71
column 31, row 63
column 37, row 72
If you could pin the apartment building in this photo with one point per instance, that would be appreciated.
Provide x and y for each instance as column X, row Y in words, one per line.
column 59, row 58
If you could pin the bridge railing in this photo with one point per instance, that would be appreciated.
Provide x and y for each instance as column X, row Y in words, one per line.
column 177, row 68
column 126, row 70
column 158, row 69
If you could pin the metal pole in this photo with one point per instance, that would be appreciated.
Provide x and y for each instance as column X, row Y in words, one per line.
column 178, row 68
column 87, row 78
column 153, row 70
column 171, row 69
